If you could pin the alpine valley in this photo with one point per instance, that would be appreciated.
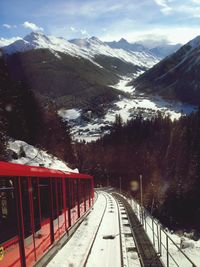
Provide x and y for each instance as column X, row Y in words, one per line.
column 87, row 82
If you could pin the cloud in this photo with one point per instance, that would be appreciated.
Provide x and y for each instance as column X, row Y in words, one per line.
column 4, row 41
column 32, row 26
column 8, row 26
column 80, row 31
column 73, row 29
column 89, row 9
column 84, row 32
column 164, row 6
column 158, row 35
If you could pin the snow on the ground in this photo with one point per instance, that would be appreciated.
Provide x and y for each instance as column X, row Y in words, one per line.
column 76, row 249
column 32, row 156
column 192, row 250
column 106, row 252
column 123, row 86
column 94, row 47
column 69, row 114
column 128, row 107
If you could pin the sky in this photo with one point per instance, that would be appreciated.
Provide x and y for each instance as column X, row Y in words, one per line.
column 150, row 21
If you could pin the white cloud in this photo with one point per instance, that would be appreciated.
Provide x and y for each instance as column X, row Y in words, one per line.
column 164, row 6
column 8, row 26
column 32, row 26
column 73, row 29
column 4, row 41
column 158, row 35
column 84, row 32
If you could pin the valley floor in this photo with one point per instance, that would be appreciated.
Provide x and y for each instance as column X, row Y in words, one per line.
column 127, row 107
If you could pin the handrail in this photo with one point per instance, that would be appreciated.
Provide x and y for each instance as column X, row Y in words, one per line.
column 146, row 214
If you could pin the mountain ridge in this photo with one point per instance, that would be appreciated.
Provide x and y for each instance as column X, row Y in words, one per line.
column 175, row 77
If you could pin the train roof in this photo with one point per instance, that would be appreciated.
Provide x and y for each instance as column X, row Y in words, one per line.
column 13, row 169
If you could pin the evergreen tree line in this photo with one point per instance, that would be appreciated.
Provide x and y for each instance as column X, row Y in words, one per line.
column 165, row 153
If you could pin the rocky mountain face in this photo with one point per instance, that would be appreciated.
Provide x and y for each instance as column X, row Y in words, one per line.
column 165, row 50
column 175, row 77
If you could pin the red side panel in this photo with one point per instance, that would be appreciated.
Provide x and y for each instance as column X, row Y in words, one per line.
column 9, row 253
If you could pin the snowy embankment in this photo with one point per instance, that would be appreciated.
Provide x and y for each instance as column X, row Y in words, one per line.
column 23, row 153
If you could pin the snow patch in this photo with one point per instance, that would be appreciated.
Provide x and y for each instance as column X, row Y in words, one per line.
column 32, row 156
column 69, row 114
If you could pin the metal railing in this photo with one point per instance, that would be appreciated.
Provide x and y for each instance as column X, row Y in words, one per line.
column 169, row 251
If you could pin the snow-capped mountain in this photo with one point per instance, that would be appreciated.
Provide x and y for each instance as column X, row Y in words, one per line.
column 177, row 76
column 36, row 40
column 89, row 48
column 160, row 52
column 124, row 44
column 95, row 47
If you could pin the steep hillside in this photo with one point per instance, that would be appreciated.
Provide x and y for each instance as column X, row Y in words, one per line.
column 175, row 77
column 23, row 117
column 142, row 59
column 165, row 50
column 66, row 80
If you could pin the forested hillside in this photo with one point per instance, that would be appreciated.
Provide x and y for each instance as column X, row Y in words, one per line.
column 22, row 116
column 166, row 153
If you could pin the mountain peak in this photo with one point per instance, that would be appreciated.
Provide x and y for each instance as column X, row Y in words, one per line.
column 96, row 40
column 194, row 42
column 35, row 36
column 122, row 40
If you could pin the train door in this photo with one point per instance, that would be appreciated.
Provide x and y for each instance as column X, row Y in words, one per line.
column 9, row 238
column 44, row 236
column 67, row 204
column 74, row 200
column 41, row 199
column 29, row 245
column 82, row 196
column 87, row 189
column 54, row 193
column 61, row 211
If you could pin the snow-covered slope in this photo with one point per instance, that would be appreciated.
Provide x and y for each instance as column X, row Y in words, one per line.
column 84, row 48
column 37, row 40
column 94, row 46
column 164, row 50
column 32, row 156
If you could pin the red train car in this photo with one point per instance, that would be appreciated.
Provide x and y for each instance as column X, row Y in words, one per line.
column 37, row 207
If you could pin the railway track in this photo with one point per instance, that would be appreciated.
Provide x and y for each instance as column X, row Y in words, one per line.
column 127, row 255
column 95, row 236
column 147, row 255
column 106, row 238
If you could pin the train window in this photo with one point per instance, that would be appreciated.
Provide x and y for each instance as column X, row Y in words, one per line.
column 44, row 198
column 35, row 195
column 60, row 196
column 26, row 206
column 54, row 196
column 67, row 190
column 8, row 215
